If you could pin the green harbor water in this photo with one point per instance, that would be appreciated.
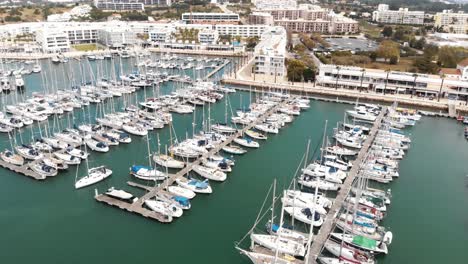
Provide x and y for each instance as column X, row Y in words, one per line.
column 51, row 222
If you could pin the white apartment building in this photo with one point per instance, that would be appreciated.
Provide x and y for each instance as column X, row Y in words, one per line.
column 401, row 16
column 118, row 5
column 210, row 18
column 208, row 36
column 356, row 78
column 244, row 31
column 269, row 54
column 277, row 4
column 161, row 35
column 452, row 22
column 52, row 41
column 117, row 37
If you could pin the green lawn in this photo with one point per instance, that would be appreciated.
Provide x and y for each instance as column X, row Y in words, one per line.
column 371, row 30
column 85, row 47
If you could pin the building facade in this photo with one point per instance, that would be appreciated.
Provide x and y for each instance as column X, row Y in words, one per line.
column 452, row 22
column 401, row 16
column 307, row 18
column 210, row 18
column 52, row 41
column 269, row 54
column 356, row 78
column 119, row 5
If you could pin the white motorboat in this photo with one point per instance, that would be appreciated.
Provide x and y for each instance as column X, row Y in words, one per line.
column 180, row 191
column 120, row 194
column 67, row 158
column 55, row 143
column 28, row 152
column 334, row 162
column 223, row 128
column 12, row 158
column 304, row 215
column 296, row 201
column 231, row 149
column 43, row 169
column 361, row 114
column 168, row 161
column 97, row 146
column 327, row 260
column 255, row 135
column 147, row 173
column 210, row 173
column 94, row 175
column 280, row 244
column 135, row 130
column 195, row 185
column 221, row 165
column 340, row 151
column 76, row 153
column 318, row 183
column 247, row 142
column 348, row 254
column 164, row 208
column 364, row 243
column 267, row 128
column 309, row 198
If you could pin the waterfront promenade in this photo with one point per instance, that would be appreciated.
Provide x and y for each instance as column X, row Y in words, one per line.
column 310, row 89
column 77, row 54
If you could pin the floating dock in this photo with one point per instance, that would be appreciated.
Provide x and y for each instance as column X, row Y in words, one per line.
column 24, row 170
column 329, row 221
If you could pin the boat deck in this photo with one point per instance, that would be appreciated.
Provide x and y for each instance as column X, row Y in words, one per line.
column 329, row 222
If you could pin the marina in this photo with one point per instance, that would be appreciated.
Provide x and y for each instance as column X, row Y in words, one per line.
column 251, row 175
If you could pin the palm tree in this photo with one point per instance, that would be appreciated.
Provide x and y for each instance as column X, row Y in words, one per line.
column 337, row 76
column 415, row 75
column 363, row 70
column 386, row 80
column 442, row 76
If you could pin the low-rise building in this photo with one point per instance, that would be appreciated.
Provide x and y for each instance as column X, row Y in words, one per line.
column 118, row 5
column 261, row 18
column 356, row 78
column 210, row 18
column 244, row 31
column 269, row 54
column 52, row 40
column 117, row 37
column 277, row 4
column 161, row 35
column 452, row 22
column 401, row 16
column 208, row 36
column 307, row 18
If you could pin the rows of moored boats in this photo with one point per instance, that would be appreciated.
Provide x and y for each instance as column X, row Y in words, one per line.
column 358, row 237
column 215, row 167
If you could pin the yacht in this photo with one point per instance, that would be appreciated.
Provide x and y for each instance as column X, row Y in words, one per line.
column 94, row 175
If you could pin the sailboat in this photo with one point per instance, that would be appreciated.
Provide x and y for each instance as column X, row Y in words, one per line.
column 95, row 175
column 147, row 172
column 210, row 173
column 12, row 158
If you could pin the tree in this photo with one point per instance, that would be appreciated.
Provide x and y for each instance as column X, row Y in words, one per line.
column 388, row 50
column 307, row 41
column 299, row 48
column 295, row 70
column 309, row 75
column 252, row 42
column 387, row 31
column 447, row 57
column 425, row 65
column 431, row 50
column 36, row 11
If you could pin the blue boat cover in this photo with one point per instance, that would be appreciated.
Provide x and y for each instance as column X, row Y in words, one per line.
column 136, row 168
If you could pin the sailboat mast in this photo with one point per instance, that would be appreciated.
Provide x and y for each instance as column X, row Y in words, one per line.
column 149, row 152
column 273, row 205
